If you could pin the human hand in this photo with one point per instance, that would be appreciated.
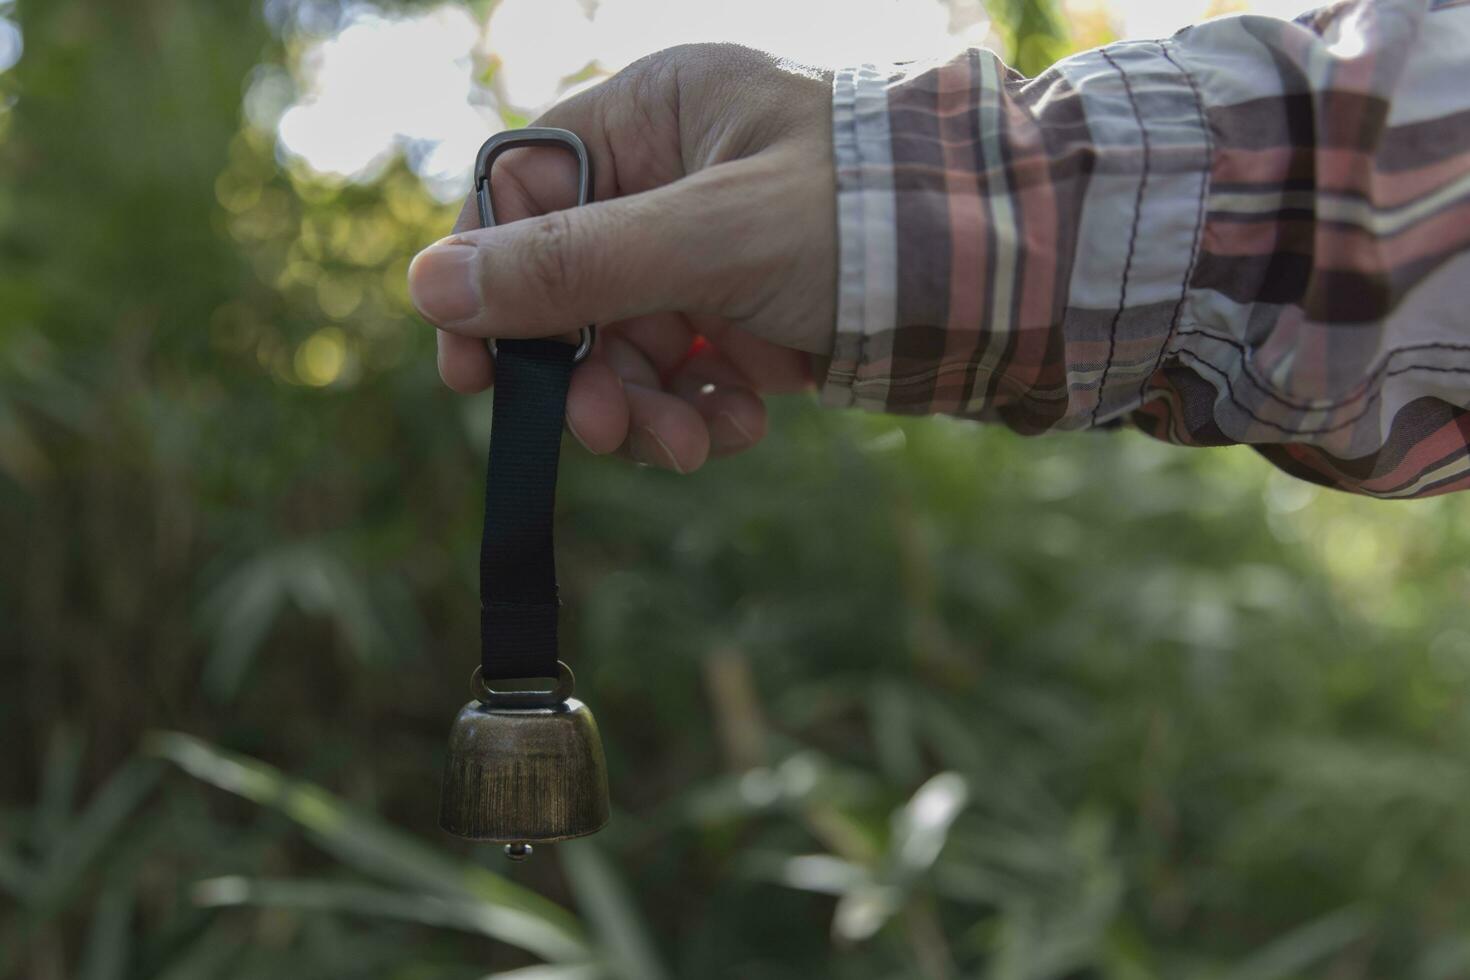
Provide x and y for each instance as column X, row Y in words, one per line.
column 714, row 218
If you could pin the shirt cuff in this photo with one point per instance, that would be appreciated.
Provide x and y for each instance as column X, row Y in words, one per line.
column 1010, row 249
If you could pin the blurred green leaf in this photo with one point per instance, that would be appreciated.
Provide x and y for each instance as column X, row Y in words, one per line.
column 244, row 607
column 551, row 972
column 612, row 911
column 59, row 784
column 84, row 838
column 921, row 827
column 507, row 924
column 861, row 912
column 109, row 938
column 1302, row 948
column 357, row 839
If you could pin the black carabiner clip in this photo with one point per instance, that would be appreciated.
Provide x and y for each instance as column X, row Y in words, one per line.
column 513, row 139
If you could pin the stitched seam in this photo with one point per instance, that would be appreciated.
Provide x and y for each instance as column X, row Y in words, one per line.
column 1266, row 388
column 1032, row 397
column 844, row 128
column 860, row 356
column 1102, row 385
column 1199, row 221
column 1319, row 430
column 855, row 125
column 1057, row 392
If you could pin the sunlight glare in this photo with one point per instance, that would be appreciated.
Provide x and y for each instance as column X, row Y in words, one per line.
column 539, row 43
column 425, row 84
column 872, row 30
column 11, row 44
column 384, row 84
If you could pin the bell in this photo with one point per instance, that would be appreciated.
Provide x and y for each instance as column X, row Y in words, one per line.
column 524, row 767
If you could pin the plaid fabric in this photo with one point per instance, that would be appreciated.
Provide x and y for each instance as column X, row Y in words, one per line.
column 1253, row 232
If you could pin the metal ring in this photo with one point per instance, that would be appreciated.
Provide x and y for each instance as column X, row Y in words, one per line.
column 566, row 682
column 584, row 344
column 534, row 136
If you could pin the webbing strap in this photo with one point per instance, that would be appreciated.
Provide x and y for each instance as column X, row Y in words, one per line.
column 518, row 592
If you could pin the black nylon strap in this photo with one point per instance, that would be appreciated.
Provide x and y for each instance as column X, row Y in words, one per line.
column 518, row 593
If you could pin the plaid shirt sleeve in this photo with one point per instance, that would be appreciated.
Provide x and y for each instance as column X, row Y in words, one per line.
column 1253, row 232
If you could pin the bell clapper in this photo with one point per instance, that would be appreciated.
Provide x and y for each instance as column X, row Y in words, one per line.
column 519, row 851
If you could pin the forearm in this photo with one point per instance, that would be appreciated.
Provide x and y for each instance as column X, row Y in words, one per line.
column 1251, row 232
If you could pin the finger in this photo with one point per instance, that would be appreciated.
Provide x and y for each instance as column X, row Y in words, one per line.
column 597, row 408
column 465, row 365
column 662, row 338
column 635, row 109
column 686, row 246
column 532, row 180
column 664, row 430
column 629, row 362
column 771, row 368
column 646, row 352
column 733, row 413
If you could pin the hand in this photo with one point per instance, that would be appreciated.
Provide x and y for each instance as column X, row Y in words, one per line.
column 708, row 259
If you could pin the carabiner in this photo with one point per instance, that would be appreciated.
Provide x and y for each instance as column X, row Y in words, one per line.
column 534, row 136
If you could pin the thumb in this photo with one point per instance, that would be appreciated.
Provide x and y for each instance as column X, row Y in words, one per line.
column 680, row 247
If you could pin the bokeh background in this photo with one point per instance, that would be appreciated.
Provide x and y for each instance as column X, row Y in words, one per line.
column 881, row 699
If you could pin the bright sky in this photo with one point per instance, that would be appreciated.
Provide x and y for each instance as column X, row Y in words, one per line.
column 387, row 84
column 10, row 40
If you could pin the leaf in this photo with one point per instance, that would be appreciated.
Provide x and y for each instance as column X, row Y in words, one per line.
column 244, row 607
column 863, row 911
column 58, row 785
column 204, row 957
column 357, row 839
column 78, row 844
column 559, row 971
column 1292, row 953
column 109, row 938
column 895, row 739
column 820, row 873
column 86, row 836
column 921, row 827
column 509, row 925
column 1446, row 959
column 605, row 900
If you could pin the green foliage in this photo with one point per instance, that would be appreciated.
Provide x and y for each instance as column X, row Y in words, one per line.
column 881, row 699
column 1034, row 31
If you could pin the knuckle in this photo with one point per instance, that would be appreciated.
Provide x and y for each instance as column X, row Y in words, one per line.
column 693, row 61
column 709, row 53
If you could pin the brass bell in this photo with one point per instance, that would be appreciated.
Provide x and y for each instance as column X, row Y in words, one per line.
column 524, row 767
